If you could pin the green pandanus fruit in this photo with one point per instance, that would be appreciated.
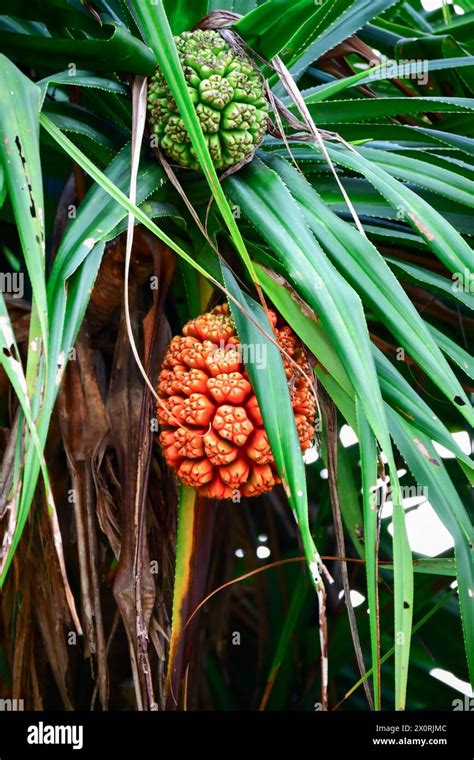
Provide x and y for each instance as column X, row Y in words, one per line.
column 228, row 95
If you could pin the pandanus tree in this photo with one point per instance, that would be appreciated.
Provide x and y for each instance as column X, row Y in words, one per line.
column 284, row 188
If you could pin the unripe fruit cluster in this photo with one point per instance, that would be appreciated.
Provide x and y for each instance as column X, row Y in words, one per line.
column 228, row 95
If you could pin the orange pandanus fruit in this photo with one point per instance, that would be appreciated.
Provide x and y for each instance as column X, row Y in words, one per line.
column 212, row 431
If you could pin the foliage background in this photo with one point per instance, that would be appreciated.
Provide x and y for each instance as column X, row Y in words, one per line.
column 89, row 528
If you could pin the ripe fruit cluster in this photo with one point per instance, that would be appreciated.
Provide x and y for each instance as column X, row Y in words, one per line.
column 212, row 431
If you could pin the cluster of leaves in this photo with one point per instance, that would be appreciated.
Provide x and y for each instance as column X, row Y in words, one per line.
column 366, row 277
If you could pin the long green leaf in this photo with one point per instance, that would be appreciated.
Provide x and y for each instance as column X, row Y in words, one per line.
column 431, row 474
column 348, row 111
column 20, row 159
column 462, row 358
column 184, row 15
column 111, row 47
column 368, row 273
column 79, row 78
column 338, row 22
column 368, row 457
column 396, row 390
column 381, row 72
column 440, row 236
column 433, row 282
column 265, row 200
column 271, row 388
column 423, row 174
column 274, row 26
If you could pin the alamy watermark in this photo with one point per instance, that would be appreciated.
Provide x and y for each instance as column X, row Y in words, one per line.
column 379, row 496
column 465, row 703
column 42, row 733
column 247, row 353
column 409, row 68
column 12, row 284
column 12, row 705
column 463, row 282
